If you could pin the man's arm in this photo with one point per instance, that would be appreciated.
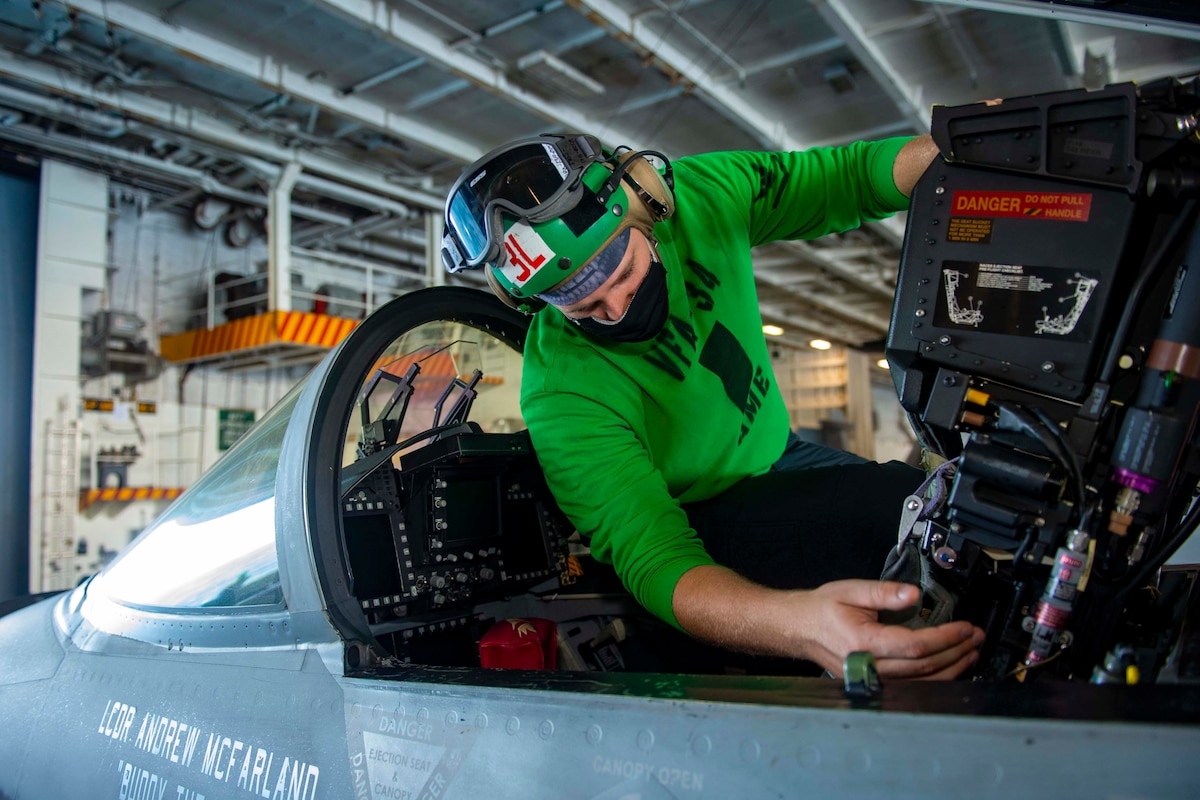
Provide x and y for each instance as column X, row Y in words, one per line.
column 911, row 162
column 821, row 625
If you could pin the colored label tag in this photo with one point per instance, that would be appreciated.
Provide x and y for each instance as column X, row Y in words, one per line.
column 1060, row 206
column 525, row 252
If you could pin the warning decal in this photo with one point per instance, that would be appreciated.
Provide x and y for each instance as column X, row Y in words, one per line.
column 973, row 230
column 1059, row 206
column 1018, row 299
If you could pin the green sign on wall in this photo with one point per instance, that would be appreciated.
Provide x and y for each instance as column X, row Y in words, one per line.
column 231, row 424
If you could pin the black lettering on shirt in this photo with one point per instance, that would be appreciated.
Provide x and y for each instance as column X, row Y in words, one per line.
column 706, row 277
column 753, row 403
column 754, row 399
column 703, row 300
column 685, row 331
column 674, row 348
column 762, row 382
column 766, row 180
column 665, row 365
column 669, row 344
column 724, row 357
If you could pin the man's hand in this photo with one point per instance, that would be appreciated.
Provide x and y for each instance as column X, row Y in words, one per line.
column 840, row 617
column 822, row 625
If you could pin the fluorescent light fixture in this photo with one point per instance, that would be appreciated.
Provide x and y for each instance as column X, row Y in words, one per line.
column 772, row 330
column 883, row 364
column 819, row 344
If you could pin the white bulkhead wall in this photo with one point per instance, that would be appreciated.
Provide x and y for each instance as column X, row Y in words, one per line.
column 72, row 235
column 101, row 247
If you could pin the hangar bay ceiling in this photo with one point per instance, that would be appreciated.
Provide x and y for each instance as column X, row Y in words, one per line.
column 370, row 108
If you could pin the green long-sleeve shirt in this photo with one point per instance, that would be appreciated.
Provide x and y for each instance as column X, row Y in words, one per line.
column 627, row 432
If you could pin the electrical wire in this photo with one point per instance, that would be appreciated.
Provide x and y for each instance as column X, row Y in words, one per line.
column 1023, row 667
column 1177, row 537
column 1070, row 462
column 1026, row 543
column 1050, row 436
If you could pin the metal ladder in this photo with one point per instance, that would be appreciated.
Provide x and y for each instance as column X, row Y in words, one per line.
column 60, row 503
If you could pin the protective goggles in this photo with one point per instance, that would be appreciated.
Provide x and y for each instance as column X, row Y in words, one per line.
column 535, row 179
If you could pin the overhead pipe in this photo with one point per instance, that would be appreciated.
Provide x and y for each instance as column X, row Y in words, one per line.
column 349, row 194
column 204, row 127
column 359, row 263
column 370, row 247
column 359, row 228
column 97, row 154
column 279, row 240
column 433, row 250
column 95, row 122
column 382, row 77
column 67, row 145
column 267, row 71
column 98, row 122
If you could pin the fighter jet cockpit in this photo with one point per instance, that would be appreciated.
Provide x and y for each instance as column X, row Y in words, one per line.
column 444, row 508
column 447, row 527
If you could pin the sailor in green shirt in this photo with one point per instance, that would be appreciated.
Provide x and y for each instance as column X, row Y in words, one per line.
column 649, row 395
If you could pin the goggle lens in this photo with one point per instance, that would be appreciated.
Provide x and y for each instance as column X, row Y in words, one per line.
column 468, row 226
column 521, row 180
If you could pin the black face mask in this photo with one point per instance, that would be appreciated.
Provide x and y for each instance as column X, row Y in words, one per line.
column 645, row 316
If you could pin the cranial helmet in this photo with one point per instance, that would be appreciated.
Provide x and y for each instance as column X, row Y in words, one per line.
column 533, row 212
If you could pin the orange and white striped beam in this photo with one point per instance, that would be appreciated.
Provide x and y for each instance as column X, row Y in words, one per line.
column 272, row 328
column 126, row 494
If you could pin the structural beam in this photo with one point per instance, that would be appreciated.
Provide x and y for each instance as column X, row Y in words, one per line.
column 781, row 60
column 790, row 322
column 386, row 75
column 849, row 313
column 390, row 24
column 97, row 155
column 848, row 24
column 273, row 74
column 833, row 265
column 1090, row 16
column 204, row 127
column 771, row 133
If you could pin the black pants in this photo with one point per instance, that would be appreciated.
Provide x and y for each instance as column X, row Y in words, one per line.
column 799, row 529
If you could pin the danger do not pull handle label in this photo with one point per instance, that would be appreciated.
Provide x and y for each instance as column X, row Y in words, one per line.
column 1053, row 206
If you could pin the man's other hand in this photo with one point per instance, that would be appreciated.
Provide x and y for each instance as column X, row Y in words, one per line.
column 822, row 625
column 843, row 616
